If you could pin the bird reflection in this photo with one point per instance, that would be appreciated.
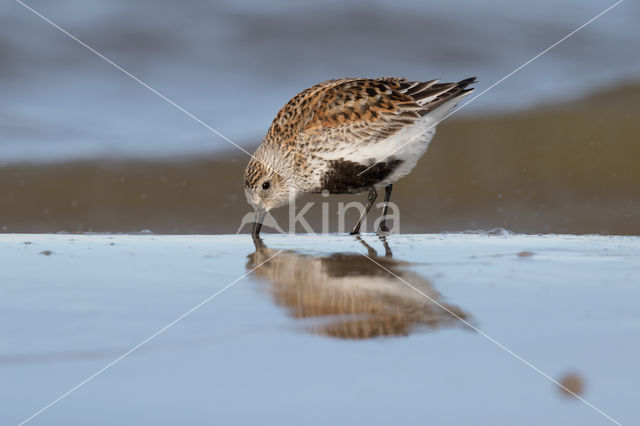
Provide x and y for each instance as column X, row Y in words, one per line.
column 347, row 296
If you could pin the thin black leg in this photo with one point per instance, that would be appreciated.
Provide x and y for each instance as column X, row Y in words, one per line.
column 382, row 228
column 373, row 194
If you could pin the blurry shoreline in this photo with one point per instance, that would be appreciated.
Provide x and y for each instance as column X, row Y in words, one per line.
column 562, row 168
column 233, row 64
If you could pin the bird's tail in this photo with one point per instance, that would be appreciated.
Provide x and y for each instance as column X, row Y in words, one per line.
column 443, row 97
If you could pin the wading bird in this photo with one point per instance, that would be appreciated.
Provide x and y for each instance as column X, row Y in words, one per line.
column 348, row 136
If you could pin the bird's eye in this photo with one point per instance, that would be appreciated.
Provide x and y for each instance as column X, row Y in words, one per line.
column 266, row 185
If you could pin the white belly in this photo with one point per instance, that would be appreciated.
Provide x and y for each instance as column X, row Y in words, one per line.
column 409, row 148
column 408, row 144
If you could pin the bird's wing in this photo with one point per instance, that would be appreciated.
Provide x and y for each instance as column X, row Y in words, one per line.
column 358, row 111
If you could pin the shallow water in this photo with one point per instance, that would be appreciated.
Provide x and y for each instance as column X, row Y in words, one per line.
column 234, row 64
column 320, row 333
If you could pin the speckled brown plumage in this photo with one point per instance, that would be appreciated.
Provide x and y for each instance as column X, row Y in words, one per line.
column 356, row 109
column 340, row 127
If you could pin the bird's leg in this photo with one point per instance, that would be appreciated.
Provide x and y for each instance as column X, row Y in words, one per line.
column 371, row 252
column 385, row 244
column 370, row 200
column 382, row 228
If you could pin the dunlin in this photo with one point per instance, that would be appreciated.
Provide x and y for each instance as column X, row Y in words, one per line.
column 348, row 136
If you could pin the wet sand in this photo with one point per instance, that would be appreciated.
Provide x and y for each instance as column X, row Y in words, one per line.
column 304, row 338
column 564, row 168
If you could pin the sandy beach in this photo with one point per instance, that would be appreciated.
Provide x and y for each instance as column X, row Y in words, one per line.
column 560, row 168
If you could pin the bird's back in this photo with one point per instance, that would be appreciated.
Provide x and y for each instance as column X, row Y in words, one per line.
column 367, row 109
column 347, row 125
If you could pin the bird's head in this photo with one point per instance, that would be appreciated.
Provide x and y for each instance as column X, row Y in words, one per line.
column 266, row 189
column 265, row 184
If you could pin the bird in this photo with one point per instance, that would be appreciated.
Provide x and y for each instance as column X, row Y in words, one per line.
column 348, row 136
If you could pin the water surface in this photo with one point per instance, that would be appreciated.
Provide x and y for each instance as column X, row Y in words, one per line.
column 234, row 64
column 305, row 339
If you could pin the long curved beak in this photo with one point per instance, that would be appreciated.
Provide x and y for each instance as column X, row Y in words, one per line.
column 257, row 225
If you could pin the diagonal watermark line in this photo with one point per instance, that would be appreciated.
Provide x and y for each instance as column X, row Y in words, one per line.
column 494, row 341
column 128, row 74
column 145, row 341
column 497, row 82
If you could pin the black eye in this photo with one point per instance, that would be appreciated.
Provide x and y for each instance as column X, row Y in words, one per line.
column 266, row 185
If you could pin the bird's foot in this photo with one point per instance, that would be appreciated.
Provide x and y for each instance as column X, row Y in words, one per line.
column 356, row 229
column 383, row 231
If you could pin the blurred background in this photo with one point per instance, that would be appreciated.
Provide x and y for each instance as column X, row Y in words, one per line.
column 84, row 148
